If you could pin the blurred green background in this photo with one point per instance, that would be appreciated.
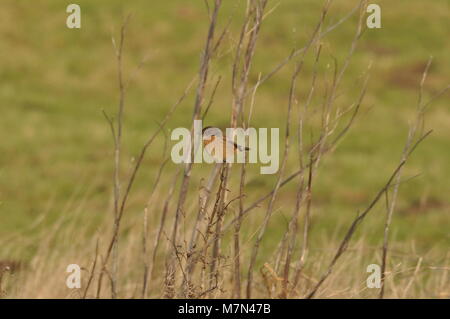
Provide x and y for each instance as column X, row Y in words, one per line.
column 56, row 149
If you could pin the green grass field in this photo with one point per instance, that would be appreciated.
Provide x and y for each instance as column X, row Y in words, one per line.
column 56, row 152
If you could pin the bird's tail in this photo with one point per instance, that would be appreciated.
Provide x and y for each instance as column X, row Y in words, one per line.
column 242, row 148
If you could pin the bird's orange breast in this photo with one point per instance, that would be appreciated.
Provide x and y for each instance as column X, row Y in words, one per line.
column 208, row 141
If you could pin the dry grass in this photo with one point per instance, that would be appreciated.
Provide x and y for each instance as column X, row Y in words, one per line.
column 204, row 237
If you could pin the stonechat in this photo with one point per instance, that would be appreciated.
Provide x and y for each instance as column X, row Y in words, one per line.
column 218, row 146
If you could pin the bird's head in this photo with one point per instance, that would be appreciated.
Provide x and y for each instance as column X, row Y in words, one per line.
column 210, row 131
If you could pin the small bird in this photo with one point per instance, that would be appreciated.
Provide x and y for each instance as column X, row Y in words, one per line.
column 213, row 140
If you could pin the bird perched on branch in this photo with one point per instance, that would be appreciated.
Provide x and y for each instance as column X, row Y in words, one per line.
column 214, row 141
